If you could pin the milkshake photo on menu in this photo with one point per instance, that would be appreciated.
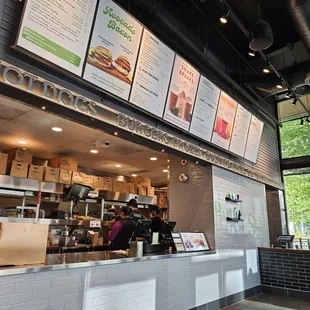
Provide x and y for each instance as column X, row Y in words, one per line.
column 113, row 51
column 182, row 94
column 224, row 121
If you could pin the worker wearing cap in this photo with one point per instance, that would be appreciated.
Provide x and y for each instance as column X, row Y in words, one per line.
column 135, row 214
column 122, row 231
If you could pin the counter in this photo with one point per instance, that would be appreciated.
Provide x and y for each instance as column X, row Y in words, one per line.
column 285, row 272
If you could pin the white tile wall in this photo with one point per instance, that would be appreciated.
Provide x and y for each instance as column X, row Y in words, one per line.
column 170, row 284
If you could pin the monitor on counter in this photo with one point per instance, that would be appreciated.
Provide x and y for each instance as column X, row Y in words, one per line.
column 143, row 228
column 78, row 192
column 167, row 227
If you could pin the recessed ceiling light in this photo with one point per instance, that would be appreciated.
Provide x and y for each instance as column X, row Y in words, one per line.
column 197, row 162
column 165, row 170
column 163, row 150
column 115, row 133
column 279, row 86
column 118, row 165
column 22, row 142
column 266, row 70
column 134, row 175
column 57, row 129
column 153, row 158
column 44, row 107
column 94, row 151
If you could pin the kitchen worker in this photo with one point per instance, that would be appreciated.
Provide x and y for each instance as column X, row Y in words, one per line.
column 122, row 231
column 135, row 214
column 157, row 221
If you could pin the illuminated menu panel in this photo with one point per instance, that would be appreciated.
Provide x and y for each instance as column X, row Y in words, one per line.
column 113, row 49
column 58, row 31
column 181, row 94
column 224, row 121
column 240, row 131
column 254, row 137
column 151, row 82
column 205, row 109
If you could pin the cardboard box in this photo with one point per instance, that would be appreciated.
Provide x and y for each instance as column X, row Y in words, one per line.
column 20, row 155
column 63, row 162
column 143, row 181
column 151, row 191
column 51, row 174
column 39, row 161
column 22, row 244
column 118, row 186
column 98, row 182
column 126, row 187
column 65, row 176
column 141, row 190
column 107, row 184
column 93, row 237
column 78, row 177
column 18, row 169
column 3, row 162
column 132, row 188
column 88, row 180
column 36, row 172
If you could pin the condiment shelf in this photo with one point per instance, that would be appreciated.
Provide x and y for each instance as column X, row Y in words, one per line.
column 232, row 200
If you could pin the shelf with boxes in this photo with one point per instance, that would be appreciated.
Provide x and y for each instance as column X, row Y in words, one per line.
column 61, row 170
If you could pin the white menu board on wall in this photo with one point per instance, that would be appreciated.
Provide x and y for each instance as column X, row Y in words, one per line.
column 113, row 49
column 254, row 137
column 224, row 121
column 58, row 31
column 240, row 131
column 181, row 94
column 205, row 109
column 151, row 82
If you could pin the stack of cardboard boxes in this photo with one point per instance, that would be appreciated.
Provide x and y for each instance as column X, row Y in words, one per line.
column 62, row 169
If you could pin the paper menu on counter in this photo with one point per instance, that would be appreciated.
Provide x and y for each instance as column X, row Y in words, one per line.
column 224, row 121
column 254, row 137
column 240, row 131
column 181, row 94
column 113, row 51
column 194, row 242
column 58, row 31
column 151, row 81
column 205, row 109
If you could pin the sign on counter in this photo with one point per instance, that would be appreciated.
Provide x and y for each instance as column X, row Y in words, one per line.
column 240, row 131
column 205, row 109
column 224, row 121
column 152, row 76
column 181, row 94
column 58, row 31
column 113, row 51
column 254, row 137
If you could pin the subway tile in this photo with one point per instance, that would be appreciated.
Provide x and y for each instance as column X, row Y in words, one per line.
column 65, row 299
column 50, row 274
column 66, row 281
column 33, row 305
column 7, row 289
column 75, row 288
column 6, row 308
column 51, row 292
column 32, row 286
column 15, row 299
column 16, row 278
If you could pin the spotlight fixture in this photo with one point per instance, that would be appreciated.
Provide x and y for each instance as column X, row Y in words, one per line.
column 223, row 18
column 266, row 70
column 288, row 95
column 295, row 101
column 251, row 53
column 94, row 151
column 261, row 36
column 279, row 86
column 301, row 122
column 115, row 133
column 43, row 107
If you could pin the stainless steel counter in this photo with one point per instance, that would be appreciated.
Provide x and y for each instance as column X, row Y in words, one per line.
column 88, row 259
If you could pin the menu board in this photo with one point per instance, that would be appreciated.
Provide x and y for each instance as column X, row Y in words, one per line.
column 254, row 136
column 58, row 31
column 240, row 131
column 113, row 51
column 181, row 94
column 151, row 82
column 194, row 242
column 224, row 121
column 205, row 109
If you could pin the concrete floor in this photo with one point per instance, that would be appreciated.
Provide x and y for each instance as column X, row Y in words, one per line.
column 270, row 302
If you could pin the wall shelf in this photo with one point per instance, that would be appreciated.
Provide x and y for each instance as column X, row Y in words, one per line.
column 232, row 200
column 229, row 219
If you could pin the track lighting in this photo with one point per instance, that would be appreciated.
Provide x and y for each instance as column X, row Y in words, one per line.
column 224, row 18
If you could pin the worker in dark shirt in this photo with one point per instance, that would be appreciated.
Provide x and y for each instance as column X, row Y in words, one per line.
column 157, row 221
column 135, row 214
column 122, row 231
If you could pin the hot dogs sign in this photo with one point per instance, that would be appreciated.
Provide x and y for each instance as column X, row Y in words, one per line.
column 113, row 49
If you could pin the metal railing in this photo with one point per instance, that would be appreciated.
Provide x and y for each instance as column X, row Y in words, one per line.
column 302, row 243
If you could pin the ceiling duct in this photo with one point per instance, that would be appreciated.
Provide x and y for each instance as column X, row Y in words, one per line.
column 301, row 14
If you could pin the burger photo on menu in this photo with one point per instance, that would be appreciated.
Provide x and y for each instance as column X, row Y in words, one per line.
column 101, row 58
